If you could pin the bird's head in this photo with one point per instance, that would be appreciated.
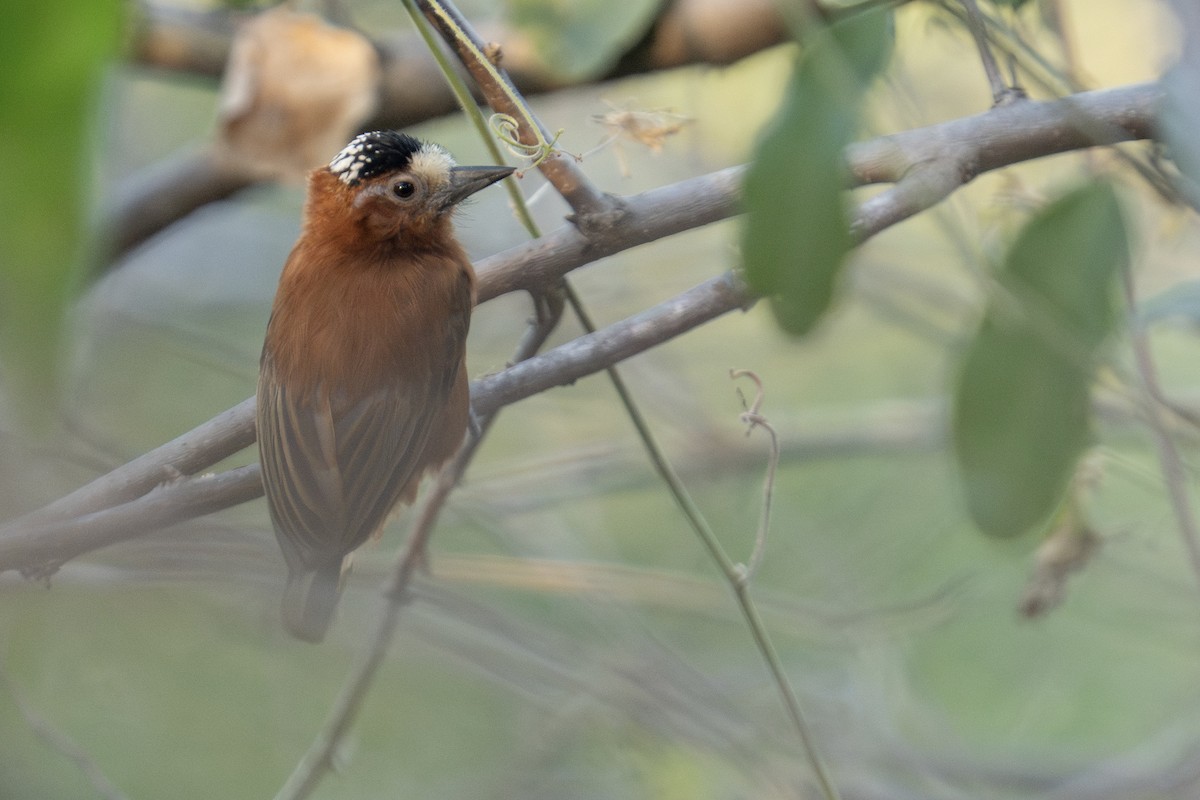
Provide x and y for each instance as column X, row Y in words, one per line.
column 393, row 186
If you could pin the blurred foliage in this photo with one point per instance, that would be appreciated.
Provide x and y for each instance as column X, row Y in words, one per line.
column 572, row 640
column 52, row 58
column 578, row 39
column 797, row 230
column 1180, row 303
column 1022, row 404
column 1180, row 117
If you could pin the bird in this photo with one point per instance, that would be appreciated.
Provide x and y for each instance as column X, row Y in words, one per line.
column 362, row 385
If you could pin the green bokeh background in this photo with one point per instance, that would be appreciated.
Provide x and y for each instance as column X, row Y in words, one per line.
column 573, row 639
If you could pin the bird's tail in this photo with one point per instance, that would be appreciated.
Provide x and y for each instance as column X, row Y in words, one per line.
column 309, row 600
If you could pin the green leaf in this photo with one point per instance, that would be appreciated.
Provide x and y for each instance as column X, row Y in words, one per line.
column 1020, row 424
column 580, row 39
column 796, row 234
column 51, row 58
column 1069, row 256
column 1021, row 412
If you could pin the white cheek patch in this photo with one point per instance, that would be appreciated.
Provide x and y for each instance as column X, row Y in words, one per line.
column 432, row 164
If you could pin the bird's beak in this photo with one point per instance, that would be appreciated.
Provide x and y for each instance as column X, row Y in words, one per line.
column 466, row 181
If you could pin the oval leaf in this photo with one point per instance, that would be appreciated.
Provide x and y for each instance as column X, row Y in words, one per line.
column 797, row 234
column 1021, row 410
column 51, row 58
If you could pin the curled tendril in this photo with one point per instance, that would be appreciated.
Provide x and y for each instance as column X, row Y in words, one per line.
column 752, row 415
column 508, row 130
column 753, row 418
column 506, row 127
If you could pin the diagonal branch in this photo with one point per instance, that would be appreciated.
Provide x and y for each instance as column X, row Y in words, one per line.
column 197, row 43
column 220, row 437
column 560, row 169
column 318, row 759
column 58, row 741
column 997, row 138
column 929, row 164
column 648, row 217
column 39, row 544
column 173, row 38
column 1000, row 92
column 587, row 354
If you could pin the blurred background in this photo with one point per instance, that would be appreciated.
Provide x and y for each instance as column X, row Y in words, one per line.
column 573, row 638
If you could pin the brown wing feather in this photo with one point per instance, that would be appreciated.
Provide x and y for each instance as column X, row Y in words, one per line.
column 294, row 478
column 336, row 462
column 381, row 440
column 456, row 402
column 325, row 501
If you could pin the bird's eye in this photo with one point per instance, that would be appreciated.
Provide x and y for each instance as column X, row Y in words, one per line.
column 403, row 189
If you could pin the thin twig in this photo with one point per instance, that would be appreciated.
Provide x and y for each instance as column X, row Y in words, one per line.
column 1173, row 471
column 548, row 309
column 504, row 98
column 462, row 93
column 1000, row 92
column 319, row 758
column 737, row 576
column 60, row 743
column 1057, row 82
column 591, row 206
column 734, row 576
column 1036, row 67
column 753, row 418
column 197, row 43
column 986, row 141
column 1058, row 21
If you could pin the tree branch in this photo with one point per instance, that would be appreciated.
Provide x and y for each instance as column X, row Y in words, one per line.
column 647, row 217
column 161, row 195
column 1005, row 135
column 318, row 759
column 412, row 91
column 62, row 744
column 927, row 164
column 684, row 32
column 40, row 547
column 38, row 543
column 220, row 437
column 593, row 352
column 1000, row 92
column 502, row 96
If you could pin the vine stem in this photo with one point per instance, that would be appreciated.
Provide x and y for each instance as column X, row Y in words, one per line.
column 1173, row 471
column 734, row 574
column 975, row 23
column 467, row 102
column 453, row 22
column 753, row 418
column 738, row 577
column 319, row 758
column 592, row 208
